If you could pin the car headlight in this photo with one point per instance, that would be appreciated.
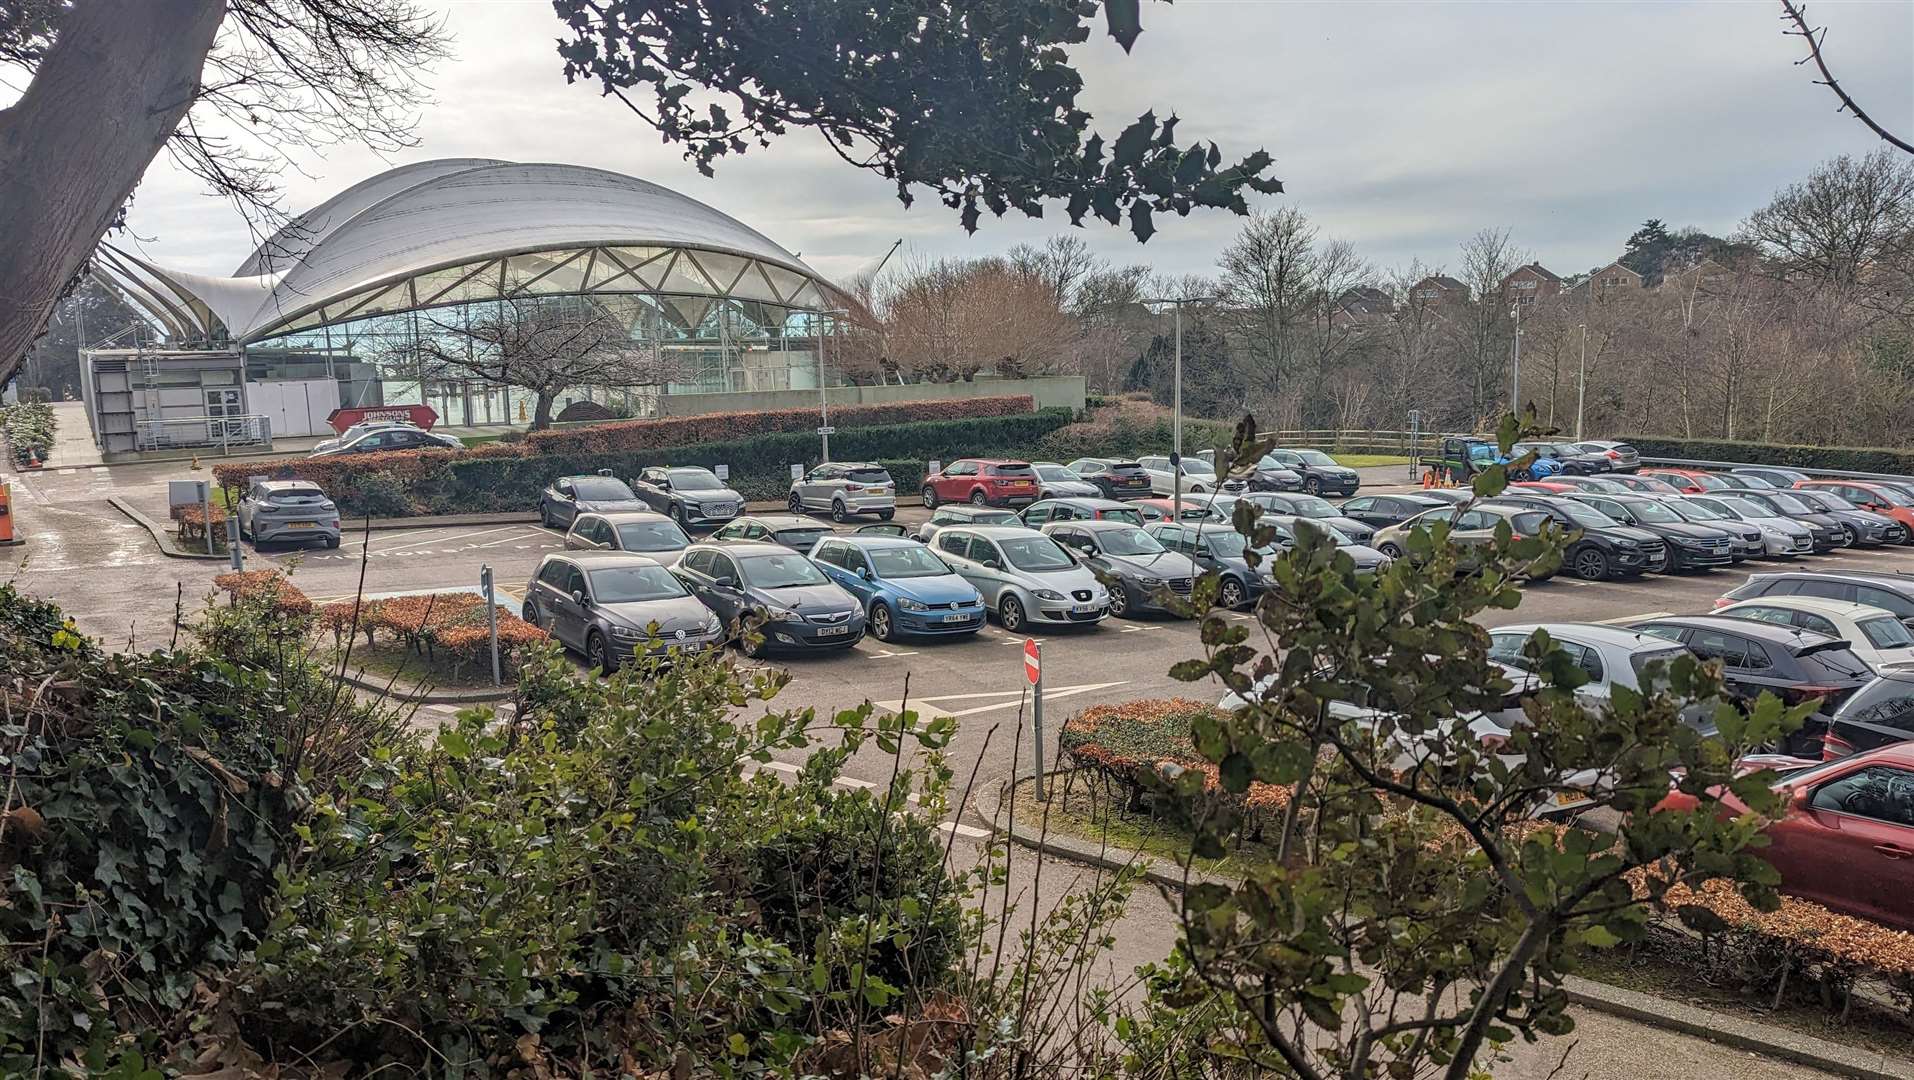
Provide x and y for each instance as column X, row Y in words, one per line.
column 1627, row 545
column 714, row 625
column 777, row 614
column 912, row 605
column 1150, row 582
column 1050, row 594
column 626, row 633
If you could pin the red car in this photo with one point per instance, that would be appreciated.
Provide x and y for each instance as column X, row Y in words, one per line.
column 982, row 482
column 1688, row 481
column 1845, row 838
column 1868, row 496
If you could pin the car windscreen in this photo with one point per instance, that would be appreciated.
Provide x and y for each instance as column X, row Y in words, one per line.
column 1131, row 541
column 870, row 475
column 301, row 494
column 779, row 571
column 652, row 536
column 1786, row 502
column 1694, row 511
column 1825, row 500
column 1056, row 474
column 994, row 517
column 1587, row 516
column 1530, row 523
column 1271, row 462
column 1886, row 633
column 1315, row 457
column 801, row 539
column 1645, row 510
column 694, row 480
column 1133, row 517
column 1223, row 542
column 1747, row 508
column 1310, row 506
column 1886, row 496
column 600, row 489
column 1640, row 661
column 1036, row 554
column 905, row 562
column 633, row 584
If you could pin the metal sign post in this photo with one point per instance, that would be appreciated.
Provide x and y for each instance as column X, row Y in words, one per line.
column 206, row 512
column 232, row 541
column 1415, row 445
column 1033, row 674
column 491, row 617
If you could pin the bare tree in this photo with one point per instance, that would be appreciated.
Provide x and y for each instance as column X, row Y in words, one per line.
column 1281, row 284
column 950, row 319
column 1487, row 328
column 546, row 346
column 1847, row 229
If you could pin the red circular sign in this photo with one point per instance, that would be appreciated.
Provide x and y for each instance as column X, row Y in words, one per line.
column 1032, row 661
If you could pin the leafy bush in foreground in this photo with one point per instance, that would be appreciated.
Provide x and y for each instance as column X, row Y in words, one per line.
column 27, row 429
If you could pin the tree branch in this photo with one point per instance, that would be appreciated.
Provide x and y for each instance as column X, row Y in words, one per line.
column 1798, row 14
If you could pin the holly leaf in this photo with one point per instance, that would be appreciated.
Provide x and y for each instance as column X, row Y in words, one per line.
column 1140, row 223
column 1128, row 150
column 1125, row 20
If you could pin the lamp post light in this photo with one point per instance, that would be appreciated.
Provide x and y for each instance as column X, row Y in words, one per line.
column 1515, row 382
column 823, row 398
column 1176, row 401
column 1581, row 383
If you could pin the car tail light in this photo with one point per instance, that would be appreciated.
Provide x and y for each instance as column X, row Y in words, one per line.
column 852, row 488
column 1615, row 455
column 1723, row 601
column 1834, row 747
column 1796, row 695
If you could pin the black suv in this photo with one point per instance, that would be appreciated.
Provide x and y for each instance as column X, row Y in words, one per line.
column 692, row 496
column 1321, row 475
column 1575, row 461
column 1606, row 548
column 1117, row 478
column 1380, row 511
column 1690, row 546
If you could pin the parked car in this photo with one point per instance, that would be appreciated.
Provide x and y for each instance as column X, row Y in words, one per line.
column 691, row 495
column 382, row 439
column 1572, row 459
column 1140, row 573
column 1827, row 530
column 1874, row 634
column 888, row 528
column 641, row 531
column 801, row 609
column 1890, row 592
column 1219, row 550
column 965, row 514
column 604, row 603
column 1794, row 665
column 1775, row 475
column 1645, row 484
column 1320, row 472
column 1551, row 486
column 1056, row 481
column 1272, row 473
column 1864, row 527
column 1205, row 508
column 1603, row 548
column 1621, row 456
column 1115, row 478
column 845, row 489
column 287, row 510
column 1781, row 537
column 1611, row 656
column 906, row 590
column 1368, row 560
column 1469, row 528
column 1690, row 546
column 1199, row 476
column 1093, row 508
column 1024, row 576
column 1451, row 496
column 798, row 534
column 1751, row 480
column 1845, row 839
column 1748, row 543
column 353, row 433
column 1883, row 499
column 1376, row 511
column 1879, row 714
column 1688, row 481
column 982, row 482
column 1605, row 482
column 569, row 496
column 1314, row 508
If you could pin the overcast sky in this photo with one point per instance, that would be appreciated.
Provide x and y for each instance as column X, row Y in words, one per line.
column 1402, row 127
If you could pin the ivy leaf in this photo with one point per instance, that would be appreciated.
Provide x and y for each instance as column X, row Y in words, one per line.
column 1125, row 20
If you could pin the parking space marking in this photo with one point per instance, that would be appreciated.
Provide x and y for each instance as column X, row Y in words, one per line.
column 1632, row 618
column 1135, row 627
column 886, row 654
column 486, row 532
column 929, row 708
column 521, row 536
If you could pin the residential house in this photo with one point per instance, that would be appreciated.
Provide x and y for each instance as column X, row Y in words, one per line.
column 1439, row 291
column 1612, row 280
column 1527, row 284
column 1362, row 304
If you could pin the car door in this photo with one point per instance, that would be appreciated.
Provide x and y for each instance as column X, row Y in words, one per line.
column 954, row 548
column 1365, row 508
column 248, row 505
column 814, row 491
column 1746, row 667
column 1036, row 514
column 651, row 487
column 954, row 484
column 569, row 616
column 564, row 502
column 1851, row 846
column 728, row 600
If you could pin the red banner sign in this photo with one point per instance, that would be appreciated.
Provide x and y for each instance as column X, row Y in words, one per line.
column 422, row 415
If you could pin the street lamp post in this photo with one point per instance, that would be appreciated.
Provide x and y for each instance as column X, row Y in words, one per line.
column 1176, row 401
column 1581, row 383
column 1515, row 384
column 823, row 398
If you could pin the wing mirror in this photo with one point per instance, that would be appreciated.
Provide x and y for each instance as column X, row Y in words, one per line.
column 1091, row 550
column 1798, row 797
column 864, row 572
column 1202, row 549
column 726, row 583
column 579, row 598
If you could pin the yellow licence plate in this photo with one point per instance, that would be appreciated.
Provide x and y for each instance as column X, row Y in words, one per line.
column 302, row 524
column 1570, row 798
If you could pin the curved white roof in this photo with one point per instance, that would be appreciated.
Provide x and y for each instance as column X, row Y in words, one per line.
column 457, row 230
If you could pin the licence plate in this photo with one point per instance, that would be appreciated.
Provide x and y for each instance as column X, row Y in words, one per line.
column 1084, row 609
column 833, row 631
column 956, row 618
column 302, row 525
column 1570, row 798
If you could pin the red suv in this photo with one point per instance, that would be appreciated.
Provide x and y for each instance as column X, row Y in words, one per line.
column 1879, row 498
column 1845, row 838
column 982, row 482
column 1688, row 481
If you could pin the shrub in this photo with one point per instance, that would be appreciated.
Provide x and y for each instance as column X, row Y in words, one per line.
column 675, row 431
column 267, row 586
column 448, row 627
column 1851, row 458
column 585, row 410
column 27, row 429
column 1124, row 740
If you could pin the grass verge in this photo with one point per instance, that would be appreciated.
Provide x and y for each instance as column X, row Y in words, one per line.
column 415, row 674
column 1079, row 810
column 1364, row 461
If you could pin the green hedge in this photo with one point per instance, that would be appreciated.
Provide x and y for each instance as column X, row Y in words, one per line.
column 1126, row 439
column 1853, row 458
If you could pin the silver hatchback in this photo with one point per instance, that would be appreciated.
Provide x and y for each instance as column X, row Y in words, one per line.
column 288, row 510
column 845, row 488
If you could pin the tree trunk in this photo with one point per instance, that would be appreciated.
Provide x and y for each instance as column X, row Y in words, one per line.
column 542, row 411
column 106, row 97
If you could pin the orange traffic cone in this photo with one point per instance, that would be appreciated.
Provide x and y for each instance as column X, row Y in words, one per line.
column 1429, row 479
column 33, row 458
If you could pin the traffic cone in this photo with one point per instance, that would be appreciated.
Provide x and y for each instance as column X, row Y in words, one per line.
column 1429, row 479
column 33, row 457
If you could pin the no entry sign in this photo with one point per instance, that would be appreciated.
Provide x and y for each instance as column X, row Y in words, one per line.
column 1032, row 661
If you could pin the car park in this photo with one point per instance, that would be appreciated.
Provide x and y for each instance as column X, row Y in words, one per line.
column 1470, row 527
column 1139, row 572
column 1688, row 481
column 1794, row 665
column 287, row 510
column 906, row 590
column 1612, row 657
column 797, row 533
column 1775, row 475
column 642, row 531
column 380, row 440
column 1604, row 483
column 1644, row 484
column 605, row 605
column 1115, row 478
column 1781, row 537
column 1199, row 476
column 1890, row 592
column 1864, row 527
column 1056, row 481
column 797, row 607
column 965, row 514
column 982, row 482
column 1845, row 837
column 569, row 496
column 693, row 496
column 1368, row 560
column 1025, row 577
column 845, row 490
column 1377, row 511
column 1874, row 634
column 1314, row 508
column 1690, row 546
column 1570, row 459
column 1207, row 508
column 1602, row 548
column 1320, row 473
column 1219, row 550
column 1092, row 508
column 1747, row 539
column 1879, row 714
column 1621, row 456
column 1881, row 499
column 1271, row 473
column 1828, row 532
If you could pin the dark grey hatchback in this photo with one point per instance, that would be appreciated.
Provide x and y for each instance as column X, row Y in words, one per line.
column 605, row 603
column 801, row 608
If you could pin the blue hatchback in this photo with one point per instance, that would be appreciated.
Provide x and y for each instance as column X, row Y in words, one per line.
column 905, row 588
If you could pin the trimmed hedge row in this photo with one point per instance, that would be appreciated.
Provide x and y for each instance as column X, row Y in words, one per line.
column 406, row 483
column 1853, row 458
column 1121, row 741
column 1126, row 438
column 677, row 431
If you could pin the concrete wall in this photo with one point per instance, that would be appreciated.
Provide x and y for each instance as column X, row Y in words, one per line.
column 1048, row 391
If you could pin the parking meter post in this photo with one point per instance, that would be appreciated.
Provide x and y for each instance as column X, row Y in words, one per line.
column 491, row 617
column 232, row 542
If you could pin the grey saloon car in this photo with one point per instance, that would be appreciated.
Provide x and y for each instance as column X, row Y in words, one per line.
column 289, row 510
column 605, row 604
column 642, row 531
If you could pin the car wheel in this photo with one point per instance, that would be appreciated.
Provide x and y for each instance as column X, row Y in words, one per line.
column 930, row 497
column 1591, row 564
column 1391, row 550
column 978, row 498
column 332, row 542
column 1853, row 535
column 1313, row 486
column 883, row 626
column 1120, row 602
column 545, row 516
column 597, row 656
column 886, row 515
column 1010, row 614
column 529, row 613
column 839, row 513
column 678, row 515
column 796, row 504
column 1231, row 594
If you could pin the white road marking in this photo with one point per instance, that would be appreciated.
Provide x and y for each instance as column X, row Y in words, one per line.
column 1140, row 626
column 1632, row 618
column 394, row 536
column 485, row 532
column 928, row 708
column 509, row 539
column 886, row 654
